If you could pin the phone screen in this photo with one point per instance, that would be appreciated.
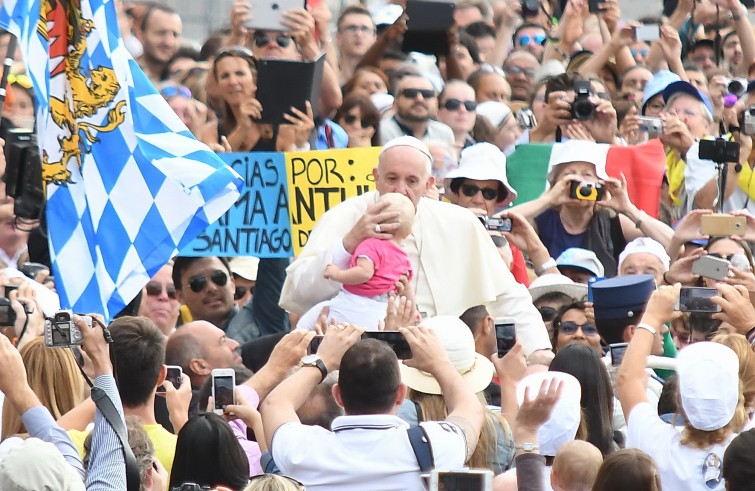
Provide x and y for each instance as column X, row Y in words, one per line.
column 460, row 481
column 314, row 345
column 617, row 353
column 223, row 391
column 505, row 335
column 395, row 340
column 697, row 299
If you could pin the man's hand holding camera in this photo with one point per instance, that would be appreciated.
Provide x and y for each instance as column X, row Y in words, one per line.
column 94, row 343
column 337, row 340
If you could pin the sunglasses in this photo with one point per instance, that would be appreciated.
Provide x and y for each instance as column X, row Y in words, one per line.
column 199, row 282
column 240, row 292
column 547, row 313
column 155, row 289
column 263, row 40
column 570, row 328
column 350, row 119
column 455, row 104
column 526, row 39
column 471, row 190
column 413, row 93
column 515, row 70
column 643, row 52
column 173, row 90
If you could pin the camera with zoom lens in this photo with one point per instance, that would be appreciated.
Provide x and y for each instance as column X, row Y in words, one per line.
column 62, row 332
column 719, row 151
column 496, row 223
column 530, row 8
column 586, row 191
column 23, row 171
column 582, row 109
column 737, row 86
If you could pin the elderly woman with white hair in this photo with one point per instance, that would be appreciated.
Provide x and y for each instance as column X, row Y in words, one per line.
column 583, row 207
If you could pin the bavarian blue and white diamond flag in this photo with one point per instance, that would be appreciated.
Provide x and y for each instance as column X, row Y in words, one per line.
column 127, row 184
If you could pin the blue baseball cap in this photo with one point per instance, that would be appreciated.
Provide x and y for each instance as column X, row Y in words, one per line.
column 656, row 85
column 622, row 297
column 689, row 89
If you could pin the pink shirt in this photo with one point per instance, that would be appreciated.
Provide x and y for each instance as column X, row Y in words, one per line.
column 390, row 262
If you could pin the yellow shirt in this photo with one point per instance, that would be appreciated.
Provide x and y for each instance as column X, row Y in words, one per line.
column 163, row 440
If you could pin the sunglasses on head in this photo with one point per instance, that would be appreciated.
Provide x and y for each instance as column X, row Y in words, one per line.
column 350, row 119
column 155, row 289
column 547, row 313
column 263, row 40
column 199, row 282
column 455, row 104
column 471, row 190
column 570, row 327
column 174, row 90
column 525, row 39
column 413, row 93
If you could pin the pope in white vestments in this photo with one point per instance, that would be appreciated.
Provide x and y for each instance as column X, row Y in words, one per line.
column 456, row 265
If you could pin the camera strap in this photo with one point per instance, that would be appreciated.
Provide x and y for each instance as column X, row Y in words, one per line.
column 111, row 415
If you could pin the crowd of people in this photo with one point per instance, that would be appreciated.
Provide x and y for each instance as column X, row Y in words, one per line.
column 440, row 326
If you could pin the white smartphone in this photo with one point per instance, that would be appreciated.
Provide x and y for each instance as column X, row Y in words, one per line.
column 647, row 32
column 267, row 14
column 223, row 385
column 468, row 479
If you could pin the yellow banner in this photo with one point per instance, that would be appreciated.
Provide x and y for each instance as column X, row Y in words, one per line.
column 319, row 180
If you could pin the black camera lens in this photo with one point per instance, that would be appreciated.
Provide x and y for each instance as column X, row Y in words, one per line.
column 585, row 190
column 583, row 109
column 737, row 88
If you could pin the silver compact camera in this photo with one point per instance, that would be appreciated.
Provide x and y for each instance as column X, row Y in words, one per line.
column 61, row 330
column 748, row 126
column 496, row 223
column 651, row 126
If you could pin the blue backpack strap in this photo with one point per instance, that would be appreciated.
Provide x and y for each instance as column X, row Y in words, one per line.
column 422, row 449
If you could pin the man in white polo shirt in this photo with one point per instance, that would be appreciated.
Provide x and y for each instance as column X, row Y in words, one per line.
column 369, row 448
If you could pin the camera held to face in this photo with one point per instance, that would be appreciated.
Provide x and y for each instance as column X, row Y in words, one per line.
column 582, row 109
column 586, row 191
column 748, row 121
column 496, row 223
column 62, row 332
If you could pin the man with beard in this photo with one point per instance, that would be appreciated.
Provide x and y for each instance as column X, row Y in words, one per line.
column 520, row 70
column 160, row 38
column 416, row 103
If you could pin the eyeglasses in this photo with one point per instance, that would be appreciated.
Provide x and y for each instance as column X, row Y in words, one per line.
column 525, row 39
column 570, row 328
column 455, row 104
column 683, row 112
column 471, row 190
column 702, row 58
column 155, row 289
column 199, row 282
column 352, row 29
column 635, row 52
column 515, row 70
column 173, row 90
column 262, row 40
column 20, row 79
column 547, row 313
column 656, row 106
column 604, row 96
column 350, row 119
column 413, row 93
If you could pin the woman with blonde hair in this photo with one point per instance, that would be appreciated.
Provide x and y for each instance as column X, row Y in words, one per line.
column 739, row 344
column 54, row 376
column 424, row 400
column 273, row 482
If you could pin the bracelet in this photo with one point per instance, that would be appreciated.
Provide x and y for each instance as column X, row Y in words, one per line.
column 647, row 327
column 326, row 41
column 527, row 447
column 550, row 263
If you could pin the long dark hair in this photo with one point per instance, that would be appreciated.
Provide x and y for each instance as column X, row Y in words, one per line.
column 585, row 365
column 208, row 453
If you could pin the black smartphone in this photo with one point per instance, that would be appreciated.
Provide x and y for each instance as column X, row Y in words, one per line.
column 395, row 340
column 594, row 6
column 505, row 334
column 697, row 299
column 314, row 345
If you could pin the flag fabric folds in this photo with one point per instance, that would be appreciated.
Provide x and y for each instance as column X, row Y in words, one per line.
column 127, row 184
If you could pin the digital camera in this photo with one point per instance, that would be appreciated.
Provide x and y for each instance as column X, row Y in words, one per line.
column 651, row 126
column 62, row 332
column 7, row 314
column 719, row 150
column 586, row 191
column 748, row 121
column 582, row 109
column 737, row 86
column 526, row 119
column 496, row 224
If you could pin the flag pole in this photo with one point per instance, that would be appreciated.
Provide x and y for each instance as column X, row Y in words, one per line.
column 7, row 64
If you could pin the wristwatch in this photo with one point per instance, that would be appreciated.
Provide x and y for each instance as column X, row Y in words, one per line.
column 315, row 362
column 527, row 447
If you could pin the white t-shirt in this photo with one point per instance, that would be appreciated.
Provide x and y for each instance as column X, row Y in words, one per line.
column 365, row 453
column 681, row 467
